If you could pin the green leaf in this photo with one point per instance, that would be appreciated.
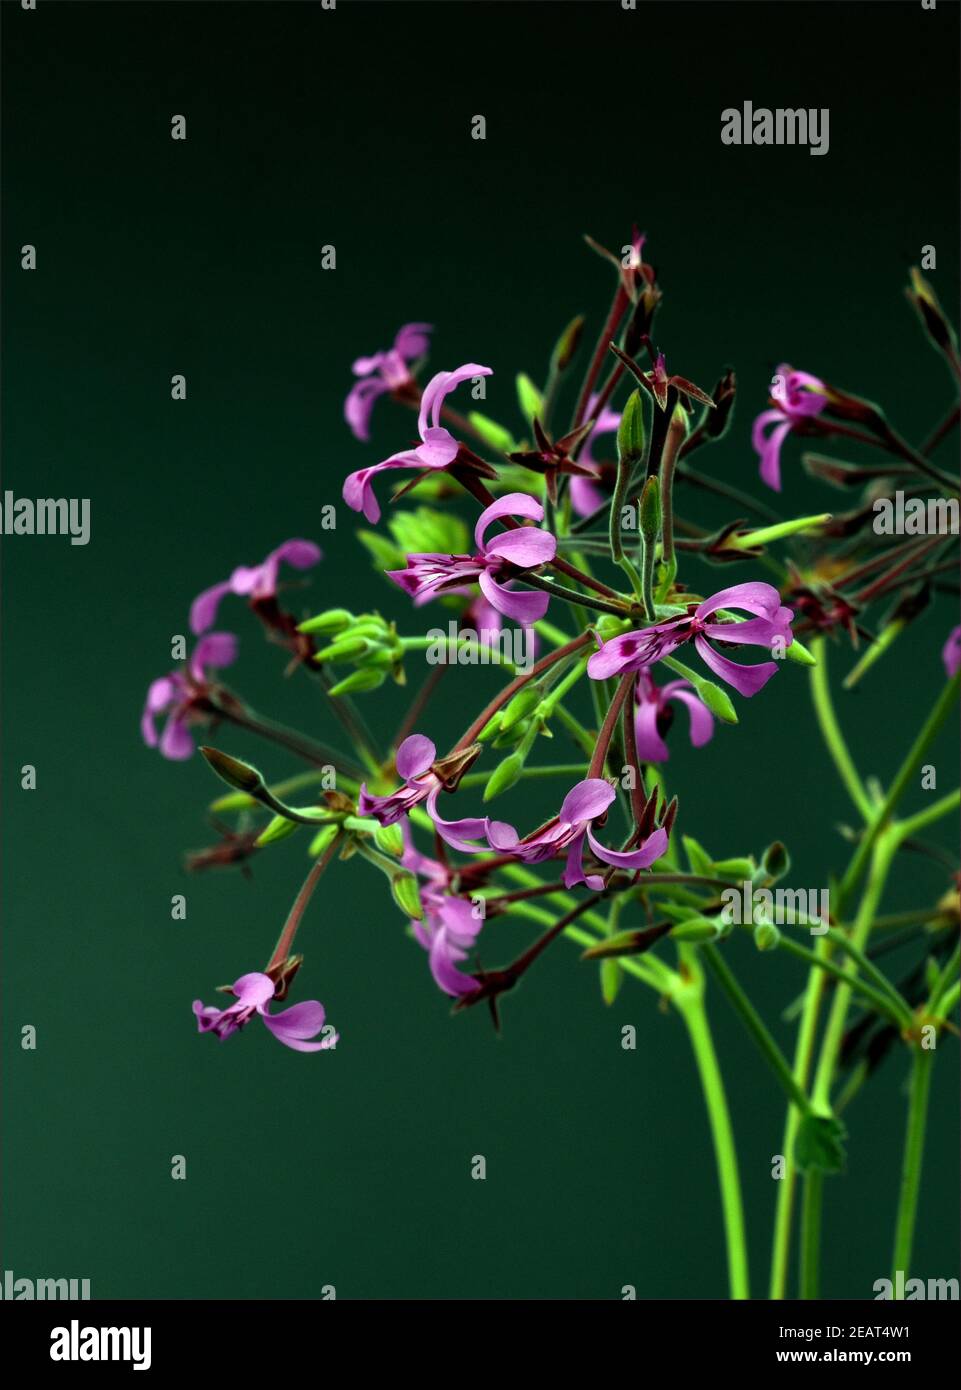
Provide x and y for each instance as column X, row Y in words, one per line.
column 385, row 554
column 819, row 1144
column 492, row 433
column 426, row 530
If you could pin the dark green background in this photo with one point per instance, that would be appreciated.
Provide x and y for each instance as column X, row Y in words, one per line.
column 155, row 257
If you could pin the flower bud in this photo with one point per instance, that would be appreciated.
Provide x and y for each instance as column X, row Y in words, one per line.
column 718, row 701
column 390, row 839
column 323, row 840
column 566, row 345
column 650, row 510
column 775, row 861
column 406, row 895
column 346, row 650
column 366, row 679
column 524, row 702
column 630, row 432
column 504, row 776
column 766, row 936
column 329, row 623
column 233, row 771
column 278, row 828
column 696, row 930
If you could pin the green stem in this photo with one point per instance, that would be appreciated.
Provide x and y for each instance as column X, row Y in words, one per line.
column 882, row 857
column 803, row 1056
column 811, row 1233
column 908, row 768
column 831, row 731
column 690, row 1004
column 919, row 1096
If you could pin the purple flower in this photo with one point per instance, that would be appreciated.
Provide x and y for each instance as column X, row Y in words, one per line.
column 437, row 449
column 414, row 758
column 771, row 623
column 449, row 928
column 291, row 1026
column 951, row 652
column 254, row 582
column 586, row 496
column 654, row 716
column 385, row 371
column 179, row 694
column 566, row 833
column 524, row 548
column 799, row 395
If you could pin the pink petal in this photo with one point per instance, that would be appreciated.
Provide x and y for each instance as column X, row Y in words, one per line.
column 511, row 504
column 521, row 605
column 203, row 610
column 748, row 680
column 586, row 800
column 414, row 756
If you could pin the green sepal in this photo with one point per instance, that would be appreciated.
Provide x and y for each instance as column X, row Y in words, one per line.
column 406, row 895
column 390, row 839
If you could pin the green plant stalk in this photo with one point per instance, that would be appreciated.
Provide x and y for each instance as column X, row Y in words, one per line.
column 884, row 851
column 918, row 1098
column 908, row 768
column 689, row 1002
column 831, row 731
column 811, row 1234
column 803, row 1057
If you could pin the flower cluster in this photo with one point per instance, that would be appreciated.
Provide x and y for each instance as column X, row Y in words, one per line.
column 589, row 517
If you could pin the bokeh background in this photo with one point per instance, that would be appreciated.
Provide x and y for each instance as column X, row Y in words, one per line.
column 202, row 257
